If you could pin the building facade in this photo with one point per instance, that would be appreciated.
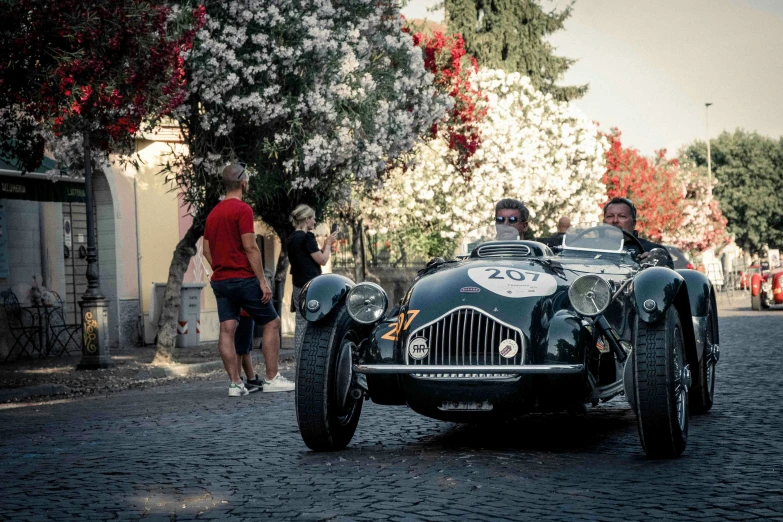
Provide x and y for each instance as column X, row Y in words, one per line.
column 139, row 221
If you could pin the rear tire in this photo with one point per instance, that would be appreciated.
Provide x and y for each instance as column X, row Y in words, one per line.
column 755, row 302
column 703, row 391
column 326, row 412
column 660, row 389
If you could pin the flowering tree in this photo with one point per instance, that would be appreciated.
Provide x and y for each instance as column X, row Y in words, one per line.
column 88, row 70
column 453, row 69
column 317, row 98
column 533, row 148
column 652, row 185
column 703, row 224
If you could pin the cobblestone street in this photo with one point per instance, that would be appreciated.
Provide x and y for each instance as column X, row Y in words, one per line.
column 186, row 451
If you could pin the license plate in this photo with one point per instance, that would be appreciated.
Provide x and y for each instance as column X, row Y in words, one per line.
column 465, row 406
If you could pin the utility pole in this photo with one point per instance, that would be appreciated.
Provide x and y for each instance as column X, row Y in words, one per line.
column 709, row 156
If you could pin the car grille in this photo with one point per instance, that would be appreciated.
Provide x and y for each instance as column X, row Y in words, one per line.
column 504, row 250
column 466, row 337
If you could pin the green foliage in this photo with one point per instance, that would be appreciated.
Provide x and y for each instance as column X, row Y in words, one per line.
column 511, row 35
column 748, row 168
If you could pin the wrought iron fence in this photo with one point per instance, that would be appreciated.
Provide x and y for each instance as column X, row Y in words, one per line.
column 380, row 250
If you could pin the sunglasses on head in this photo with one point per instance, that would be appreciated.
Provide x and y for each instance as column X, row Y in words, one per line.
column 241, row 172
column 511, row 219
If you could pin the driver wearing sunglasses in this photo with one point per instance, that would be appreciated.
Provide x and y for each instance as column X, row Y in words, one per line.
column 512, row 213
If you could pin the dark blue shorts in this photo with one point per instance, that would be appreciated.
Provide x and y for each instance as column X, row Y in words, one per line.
column 243, row 338
column 232, row 295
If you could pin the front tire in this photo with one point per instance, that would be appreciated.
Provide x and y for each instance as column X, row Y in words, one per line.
column 703, row 391
column 326, row 411
column 755, row 302
column 661, row 380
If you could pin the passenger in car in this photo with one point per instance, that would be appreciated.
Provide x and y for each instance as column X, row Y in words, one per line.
column 511, row 213
column 621, row 213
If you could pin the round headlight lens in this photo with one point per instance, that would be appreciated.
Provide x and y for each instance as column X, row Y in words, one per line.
column 367, row 302
column 590, row 295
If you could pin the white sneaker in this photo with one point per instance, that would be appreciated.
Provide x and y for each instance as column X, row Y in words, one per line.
column 237, row 390
column 278, row 384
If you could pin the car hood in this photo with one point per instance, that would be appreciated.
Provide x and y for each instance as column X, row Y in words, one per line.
column 519, row 292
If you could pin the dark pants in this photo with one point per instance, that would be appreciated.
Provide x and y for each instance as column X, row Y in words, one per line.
column 233, row 295
column 243, row 337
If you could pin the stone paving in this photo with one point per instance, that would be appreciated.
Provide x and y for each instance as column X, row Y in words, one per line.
column 185, row 451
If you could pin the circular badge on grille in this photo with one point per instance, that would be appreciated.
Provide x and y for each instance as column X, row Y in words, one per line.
column 508, row 348
column 418, row 348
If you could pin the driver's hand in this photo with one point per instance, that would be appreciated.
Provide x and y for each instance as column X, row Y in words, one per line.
column 655, row 257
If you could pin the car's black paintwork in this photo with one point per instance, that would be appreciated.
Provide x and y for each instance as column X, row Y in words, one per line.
column 328, row 291
column 555, row 333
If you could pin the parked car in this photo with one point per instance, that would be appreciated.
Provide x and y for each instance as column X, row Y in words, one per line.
column 679, row 257
column 508, row 328
column 766, row 288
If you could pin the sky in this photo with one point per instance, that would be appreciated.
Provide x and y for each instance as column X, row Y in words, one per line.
column 651, row 66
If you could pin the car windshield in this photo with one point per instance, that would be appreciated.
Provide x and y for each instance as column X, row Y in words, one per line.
column 589, row 237
column 486, row 233
column 598, row 238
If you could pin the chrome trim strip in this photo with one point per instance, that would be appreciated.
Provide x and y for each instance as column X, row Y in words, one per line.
column 503, row 250
column 526, row 369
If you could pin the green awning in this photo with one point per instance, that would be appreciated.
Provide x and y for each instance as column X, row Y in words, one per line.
column 41, row 189
column 34, row 187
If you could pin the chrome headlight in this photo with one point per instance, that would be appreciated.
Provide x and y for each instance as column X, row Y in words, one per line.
column 590, row 295
column 367, row 302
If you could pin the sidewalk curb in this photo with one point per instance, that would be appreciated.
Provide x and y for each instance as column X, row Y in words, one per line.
column 34, row 391
column 185, row 370
column 181, row 370
column 157, row 372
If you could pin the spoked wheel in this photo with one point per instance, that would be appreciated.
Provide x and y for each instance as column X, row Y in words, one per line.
column 326, row 410
column 661, row 382
column 703, row 391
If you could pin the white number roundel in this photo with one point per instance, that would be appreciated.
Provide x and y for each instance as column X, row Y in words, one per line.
column 513, row 282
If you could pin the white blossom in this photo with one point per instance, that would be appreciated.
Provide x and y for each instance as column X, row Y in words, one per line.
column 533, row 148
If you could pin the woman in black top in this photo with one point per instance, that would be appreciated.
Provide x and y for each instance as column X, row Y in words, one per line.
column 306, row 259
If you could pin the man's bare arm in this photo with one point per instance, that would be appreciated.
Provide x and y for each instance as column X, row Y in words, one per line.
column 254, row 256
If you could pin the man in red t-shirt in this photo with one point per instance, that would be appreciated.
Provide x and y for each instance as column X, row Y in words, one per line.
column 238, row 280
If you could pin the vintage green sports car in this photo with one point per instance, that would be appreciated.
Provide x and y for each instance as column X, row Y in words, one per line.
column 508, row 328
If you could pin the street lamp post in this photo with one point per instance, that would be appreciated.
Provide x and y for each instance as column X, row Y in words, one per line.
column 709, row 156
column 95, row 307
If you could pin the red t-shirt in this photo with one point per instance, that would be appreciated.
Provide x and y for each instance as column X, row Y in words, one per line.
column 223, row 230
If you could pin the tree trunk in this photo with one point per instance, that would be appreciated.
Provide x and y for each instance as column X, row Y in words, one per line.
column 167, row 324
column 357, row 248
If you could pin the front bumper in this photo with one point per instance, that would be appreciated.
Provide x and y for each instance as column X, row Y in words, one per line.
column 529, row 369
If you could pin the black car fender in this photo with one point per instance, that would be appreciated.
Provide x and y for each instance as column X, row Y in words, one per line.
column 702, row 300
column 322, row 294
column 655, row 289
column 700, row 292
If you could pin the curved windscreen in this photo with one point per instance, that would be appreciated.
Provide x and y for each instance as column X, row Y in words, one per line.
column 486, row 233
column 600, row 238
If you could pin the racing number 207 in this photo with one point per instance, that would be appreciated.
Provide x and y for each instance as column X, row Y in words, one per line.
column 399, row 325
column 516, row 275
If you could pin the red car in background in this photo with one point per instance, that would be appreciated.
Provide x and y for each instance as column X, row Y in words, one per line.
column 766, row 288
